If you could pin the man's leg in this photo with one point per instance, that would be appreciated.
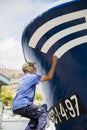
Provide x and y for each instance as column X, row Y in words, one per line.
column 42, row 120
column 30, row 112
column 28, row 128
column 32, row 125
column 38, row 116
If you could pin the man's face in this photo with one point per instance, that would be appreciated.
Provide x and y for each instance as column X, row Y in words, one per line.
column 32, row 69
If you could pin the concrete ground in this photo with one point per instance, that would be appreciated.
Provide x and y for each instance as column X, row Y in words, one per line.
column 20, row 124
column 14, row 125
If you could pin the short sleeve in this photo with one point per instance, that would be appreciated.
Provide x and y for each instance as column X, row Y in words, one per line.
column 35, row 79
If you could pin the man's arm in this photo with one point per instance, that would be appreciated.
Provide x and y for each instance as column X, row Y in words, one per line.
column 50, row 74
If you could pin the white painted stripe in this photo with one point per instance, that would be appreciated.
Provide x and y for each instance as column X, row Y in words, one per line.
column 52, row 40
column 63, row 49
column 52, row 23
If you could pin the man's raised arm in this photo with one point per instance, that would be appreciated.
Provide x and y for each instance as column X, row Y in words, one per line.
column 50, row 74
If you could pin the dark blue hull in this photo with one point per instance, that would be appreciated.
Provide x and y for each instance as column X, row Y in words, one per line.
column 70, row 77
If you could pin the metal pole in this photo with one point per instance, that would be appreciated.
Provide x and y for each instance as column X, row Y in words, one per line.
column 0, row 109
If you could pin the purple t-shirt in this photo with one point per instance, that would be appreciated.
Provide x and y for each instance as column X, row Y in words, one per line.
column 26, row 91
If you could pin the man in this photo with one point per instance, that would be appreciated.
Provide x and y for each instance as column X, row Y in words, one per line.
column 23, row 101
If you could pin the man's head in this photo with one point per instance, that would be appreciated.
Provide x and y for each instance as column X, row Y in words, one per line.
column 29, row 67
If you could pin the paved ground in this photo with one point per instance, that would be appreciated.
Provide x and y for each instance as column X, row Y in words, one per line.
column 19, row 125
column 14, row 125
